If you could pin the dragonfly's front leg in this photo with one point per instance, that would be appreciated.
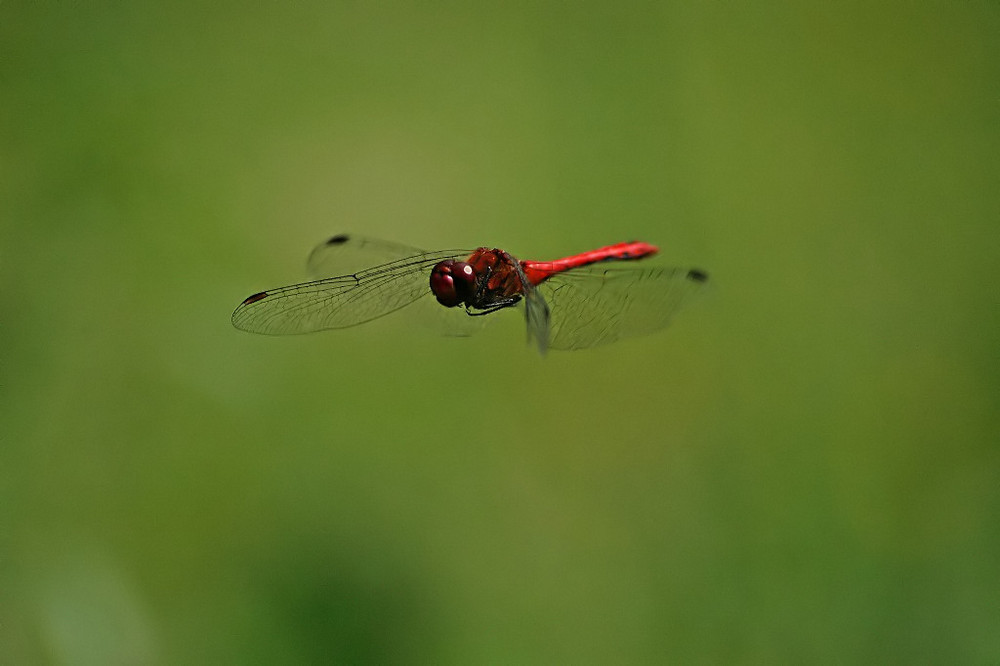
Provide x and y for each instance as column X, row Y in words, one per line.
column 493, row 307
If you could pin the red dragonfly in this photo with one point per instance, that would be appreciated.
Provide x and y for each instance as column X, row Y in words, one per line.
column 569, row 303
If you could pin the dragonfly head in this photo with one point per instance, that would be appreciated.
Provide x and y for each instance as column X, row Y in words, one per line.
column 453, row 282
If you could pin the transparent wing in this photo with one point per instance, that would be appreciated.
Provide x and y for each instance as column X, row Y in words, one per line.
column 346, row 254
column 537, row 317
column 342, row 301
column 595, row 306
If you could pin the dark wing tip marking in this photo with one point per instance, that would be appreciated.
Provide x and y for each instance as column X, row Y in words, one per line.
column 255, row 298
column 339, row 239
column 696, row 275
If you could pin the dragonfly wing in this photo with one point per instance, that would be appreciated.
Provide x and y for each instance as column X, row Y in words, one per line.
column 536, row 313
column 595, row 306
column 339, row 302
column 346, row 254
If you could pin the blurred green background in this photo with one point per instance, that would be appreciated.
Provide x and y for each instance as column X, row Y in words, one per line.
column 804, row 468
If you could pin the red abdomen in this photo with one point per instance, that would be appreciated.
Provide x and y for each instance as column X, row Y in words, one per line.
column 539, row 271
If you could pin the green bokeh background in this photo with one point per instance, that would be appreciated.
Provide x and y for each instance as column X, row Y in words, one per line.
column 804, row 468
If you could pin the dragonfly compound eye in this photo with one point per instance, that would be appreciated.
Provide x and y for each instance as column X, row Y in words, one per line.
column 453, row 282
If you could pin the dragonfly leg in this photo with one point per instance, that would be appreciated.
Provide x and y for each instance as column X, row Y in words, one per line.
column 493, row 307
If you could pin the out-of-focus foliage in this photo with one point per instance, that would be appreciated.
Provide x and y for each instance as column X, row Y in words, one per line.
column 803, row 468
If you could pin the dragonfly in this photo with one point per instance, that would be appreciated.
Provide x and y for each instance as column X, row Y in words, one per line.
column 583, row 300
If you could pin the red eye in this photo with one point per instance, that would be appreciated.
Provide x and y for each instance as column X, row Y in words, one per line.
column 453, row 282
